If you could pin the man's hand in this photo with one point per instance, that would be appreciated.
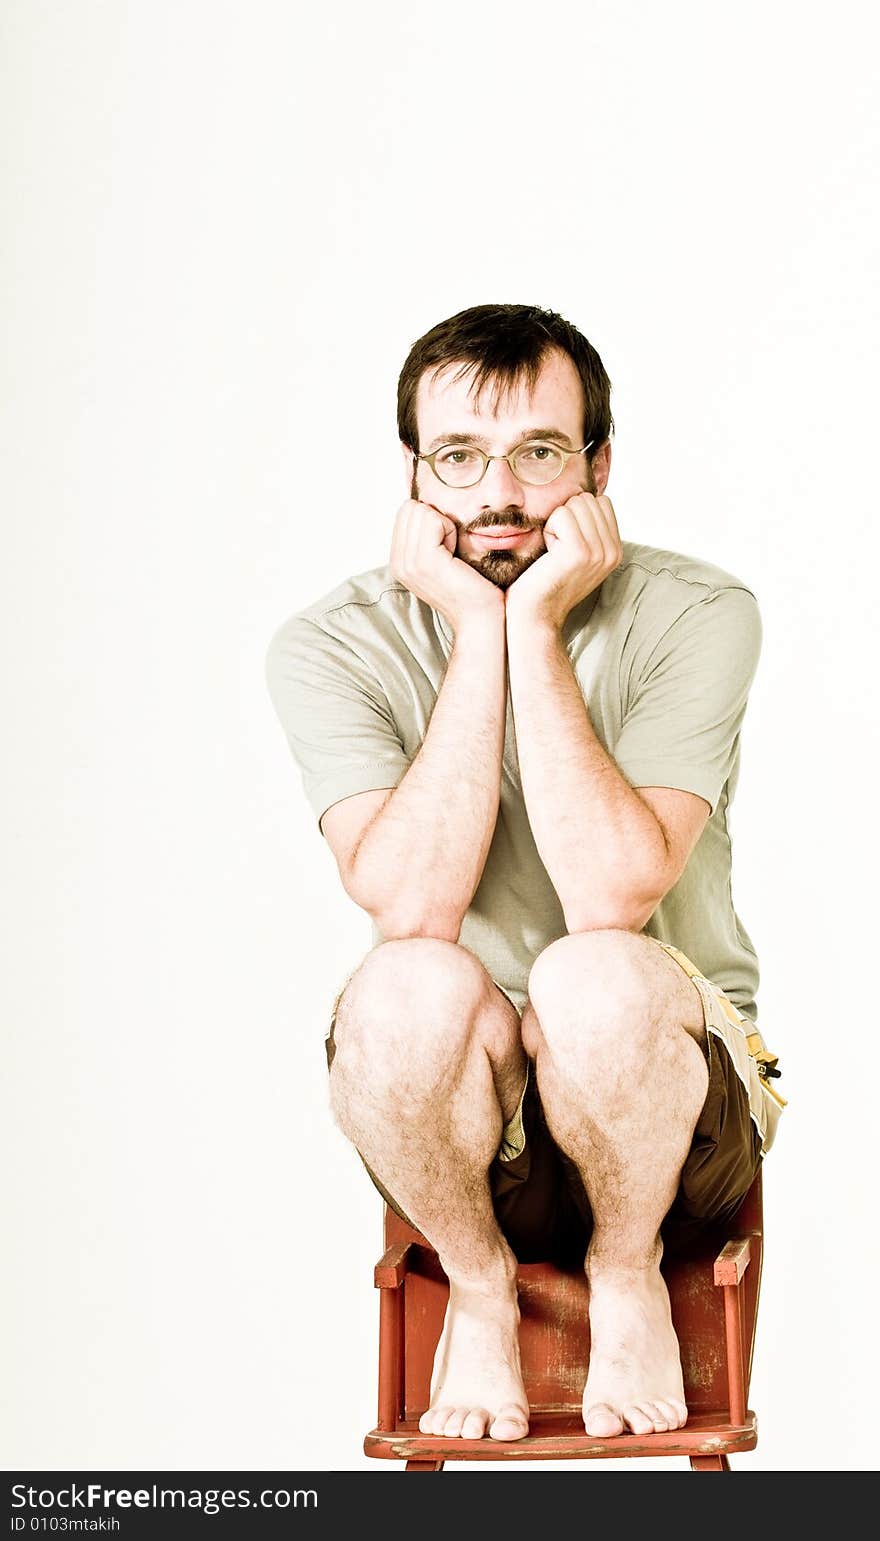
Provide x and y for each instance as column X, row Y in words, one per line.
column 583, row 547
column 423, row 558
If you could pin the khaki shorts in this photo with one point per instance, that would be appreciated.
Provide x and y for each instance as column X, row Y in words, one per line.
column 537, row 1192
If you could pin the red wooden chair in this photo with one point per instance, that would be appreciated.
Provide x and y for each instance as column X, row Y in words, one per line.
column 714, row 1297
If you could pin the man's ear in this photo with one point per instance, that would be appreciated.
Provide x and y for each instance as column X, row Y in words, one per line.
column 601, row 467
column 409, row 462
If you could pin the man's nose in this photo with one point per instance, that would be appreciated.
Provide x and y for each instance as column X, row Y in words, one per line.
column 500, row 486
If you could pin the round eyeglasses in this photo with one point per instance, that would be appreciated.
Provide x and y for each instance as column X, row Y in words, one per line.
column 534, row 463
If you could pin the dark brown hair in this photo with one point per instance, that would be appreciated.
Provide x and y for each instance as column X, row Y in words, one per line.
column 504, row 345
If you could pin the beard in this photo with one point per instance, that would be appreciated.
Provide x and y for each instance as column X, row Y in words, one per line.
column 503, row 567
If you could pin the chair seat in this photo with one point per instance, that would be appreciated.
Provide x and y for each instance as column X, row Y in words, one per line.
column 559, row 1436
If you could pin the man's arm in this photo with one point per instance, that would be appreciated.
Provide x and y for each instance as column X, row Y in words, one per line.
column 604, row 850
column 417, row 866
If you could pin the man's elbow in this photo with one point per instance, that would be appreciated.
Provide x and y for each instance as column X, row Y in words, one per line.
column 629, row 914
column 399, row 926
column 397, row 918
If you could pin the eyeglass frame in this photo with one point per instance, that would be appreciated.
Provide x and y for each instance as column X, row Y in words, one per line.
column 465, row 486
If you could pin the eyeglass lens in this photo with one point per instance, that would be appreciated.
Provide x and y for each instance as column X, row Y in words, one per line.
column 460, row 465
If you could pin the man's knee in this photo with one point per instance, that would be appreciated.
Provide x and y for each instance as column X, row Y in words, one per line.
column 593, row 990
column 408, row 999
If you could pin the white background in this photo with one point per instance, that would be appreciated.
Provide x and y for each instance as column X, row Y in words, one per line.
column 223, row 226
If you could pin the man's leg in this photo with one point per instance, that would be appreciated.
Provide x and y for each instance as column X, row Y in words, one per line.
column 616, row 1028
column 428, row 1068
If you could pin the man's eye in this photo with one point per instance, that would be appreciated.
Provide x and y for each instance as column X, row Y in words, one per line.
column 457, row 457
column 540, row 452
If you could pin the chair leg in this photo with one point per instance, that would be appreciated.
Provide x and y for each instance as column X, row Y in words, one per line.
column 710, row 1463
column 424, row 1466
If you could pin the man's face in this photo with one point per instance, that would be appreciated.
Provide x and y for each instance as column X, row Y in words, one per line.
column 499, row 503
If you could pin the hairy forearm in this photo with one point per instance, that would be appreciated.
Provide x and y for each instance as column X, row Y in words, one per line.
column 599, row 841
column 419, row 862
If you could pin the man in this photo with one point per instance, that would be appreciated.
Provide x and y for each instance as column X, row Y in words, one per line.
column 521, row 741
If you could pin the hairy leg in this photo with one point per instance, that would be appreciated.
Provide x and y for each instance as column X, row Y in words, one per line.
column 617, row 1031
column 429, row 1065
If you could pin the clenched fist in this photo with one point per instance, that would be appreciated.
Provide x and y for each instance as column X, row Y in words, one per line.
column 583, row 547
column 423, row 558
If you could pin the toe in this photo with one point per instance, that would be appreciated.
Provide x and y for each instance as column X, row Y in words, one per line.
column 434, row 1420
column 638, row 1420
column 509, row 1423
column 452, row 1426
column 475, row 1424
column 674, row 1413
column 658, row 1417
column 602, row 1421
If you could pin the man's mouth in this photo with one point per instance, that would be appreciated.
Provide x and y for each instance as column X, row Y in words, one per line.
column 500, row 537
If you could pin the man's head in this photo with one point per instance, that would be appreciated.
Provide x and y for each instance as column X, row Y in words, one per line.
column 492, row 377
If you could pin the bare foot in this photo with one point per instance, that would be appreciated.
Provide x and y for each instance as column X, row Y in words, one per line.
column 635, row 1376
column 477, row 1386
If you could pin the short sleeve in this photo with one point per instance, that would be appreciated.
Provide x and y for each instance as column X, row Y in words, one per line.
column 682, row 726
column 334, row 714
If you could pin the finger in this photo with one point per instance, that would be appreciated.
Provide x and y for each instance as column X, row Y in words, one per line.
column 398, row 536
column 410, row 537
column 563, row 521
column 424, row 533
column 605, row 510
column 613, row 545
column 579, row 521
column 436, row 535
column 561, row 525
column 449, row 538
column 434, row 520
column 443, row 533
column 599, row 530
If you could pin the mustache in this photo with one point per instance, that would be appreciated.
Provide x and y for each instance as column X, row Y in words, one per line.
column 511, row 518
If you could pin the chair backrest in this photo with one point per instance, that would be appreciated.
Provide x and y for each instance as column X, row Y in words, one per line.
column 554, row 1331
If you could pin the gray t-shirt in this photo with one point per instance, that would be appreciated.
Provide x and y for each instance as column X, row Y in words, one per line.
column 664, row 651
